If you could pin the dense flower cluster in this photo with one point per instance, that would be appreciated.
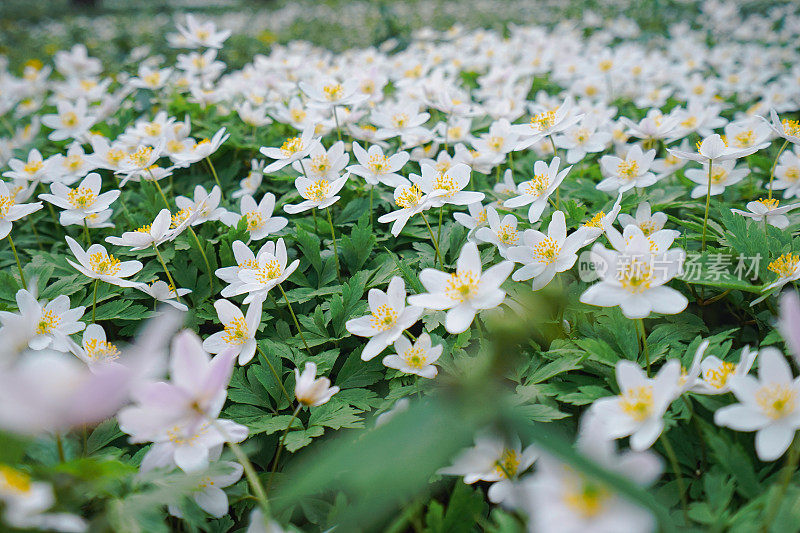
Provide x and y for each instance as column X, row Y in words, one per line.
column 309, row 212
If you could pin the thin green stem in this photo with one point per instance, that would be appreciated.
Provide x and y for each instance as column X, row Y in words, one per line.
column 786, row 476
column 60, row 448
column 371, row 191
column 249, row 471
column 275, row 373
column 643, row 340
column 160, row 191
column 772, row 170
column 294, row 317
column 19, row 265
column 439, row 230
column 216, row 178
column 205, row 259
column 281, row 443
column 335, row 248
column 86, row 232
column 673, row 459
column 166, row 270
column 433, row 239
column 336, row 119
column 94, row 300
column 555, row 154
column 708, row 203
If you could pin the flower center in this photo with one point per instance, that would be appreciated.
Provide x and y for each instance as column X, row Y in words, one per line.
column 507, row 234
column 635, row 276
column 378, row 164
column 318, row 190
column 462, row 286
column 271, row 270
column 81, row 197
column 546, row 251
column 320, row 164
column 69, row 119
column 543, row 121
column 508, row 463
column 153, row 129
column 399, row 120
column 496, row 143
column 628, row 169
column 73, row 162
column 717, row 377
column 236, row 332
column 769, row 203
column 744, row 139
column 415, row 358
column 115, row 156
column 791, row 127
column 176, row 435
column 785, row 265
column 596, row 221
column 297, row 115
column 12, row 480
column 291, row 146
column 254, row 220
column 104, row 263
column 637, row 402
column 718, row 174
column 141, row 157
column 180, row 217
column 333, row 92
column 537, row 185
column 792, row 174
column 587, row 498
column 47, row 322
column 384, row 318
column 33, row 167
column 409, row 196
column 776, row 400
column 98, row 350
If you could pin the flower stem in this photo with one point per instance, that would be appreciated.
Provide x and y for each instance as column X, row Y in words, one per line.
column 371, row 191
column 160, row 191
column 19, row 265
column 166, row 270
column 433, row 239
column 772, row 170
column 275, row 373
column 94, row 299
column 786, row 476
column 439, row 229
column 673, row 459
column 294, row 317
column 336, row 119
column 249, row 471
column 86, row 232
column 335, row 248
column 60, row 448
column 281, row 443
column 216, row 178
column 555, row 154
column 708, row 203
column 643, row 339
column 205, row 259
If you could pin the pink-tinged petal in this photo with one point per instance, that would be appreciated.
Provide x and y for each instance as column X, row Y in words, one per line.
column 188, row 360
column 789, row 323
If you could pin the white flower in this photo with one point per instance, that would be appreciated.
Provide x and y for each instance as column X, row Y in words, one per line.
column 639, row 409
column 10, row 210
column 291, row 150
column 30, row 170
column 507, row 187
column 499, row 141
column 787, row 267
column 466, row 291
column 251, row 183
column 715, row 374
column 71, row 121
column 787, row 174
column 200, row 34
column 238, row 337
column 322, row 164
column 161, row 291
column 502, row 233
column 54, row 321
column 376, row 168
column 80, row 202
column 786, row 129
column 546, row 123
column 152, row 234
column 95, row 350
column 319, row 193
column 769, row 405
column 201, row 150
column 204, row 206
column 253, row 116
column 723, row 174
column 312, row 392
column 270, row 270
column 537, row 190
column 634, row 278
column 418, row 359
column 767, row 208
column 494, row 459
column 625, row 174
column 260, row 222
column 388, row 319
column 446, row 187
column 189, row 445
column 543, row 256
column 329, row 93
column 26, row 500
column 96, row 263
column 712, row 148
column 402, row 119
column 645, row 219
column 411, row 200
column 557, row 497
column 208, row 493
column 582, row 139
column 70, row 167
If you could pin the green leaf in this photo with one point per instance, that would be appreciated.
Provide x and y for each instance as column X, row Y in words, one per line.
column 356, row 248
column 299, row 439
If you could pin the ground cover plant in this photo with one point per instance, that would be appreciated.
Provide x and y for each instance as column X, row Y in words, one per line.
column 505, row 278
